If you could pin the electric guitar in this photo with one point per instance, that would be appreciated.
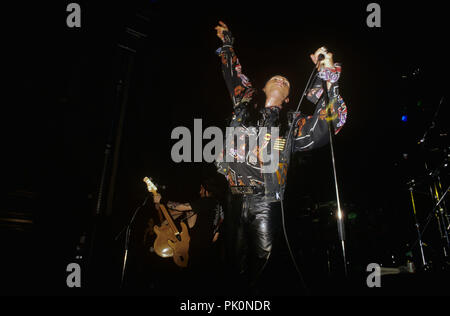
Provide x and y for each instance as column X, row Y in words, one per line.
column 170, row 242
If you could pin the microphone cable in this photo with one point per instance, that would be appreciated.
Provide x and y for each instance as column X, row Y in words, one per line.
column 282, row 205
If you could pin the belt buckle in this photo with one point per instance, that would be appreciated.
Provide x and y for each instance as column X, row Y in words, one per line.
column 244, row 189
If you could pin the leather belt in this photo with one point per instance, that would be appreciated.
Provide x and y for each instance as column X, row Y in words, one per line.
column 246, row 190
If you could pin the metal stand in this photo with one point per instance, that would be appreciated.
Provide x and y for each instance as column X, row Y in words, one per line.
column 124, row 61
column 111, row 153
column 419, row 234
column 339, row 213
column 439, row 209
column 427, row 222
column 441, row 218
column 127, row 239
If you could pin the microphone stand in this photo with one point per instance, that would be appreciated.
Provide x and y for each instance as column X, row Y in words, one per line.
column 419, row 233
column 127, row 238
column 427, row 222
column 440, row 213
column 339, row 215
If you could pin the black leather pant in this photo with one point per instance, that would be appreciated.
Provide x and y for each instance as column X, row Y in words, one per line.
column 253, row 224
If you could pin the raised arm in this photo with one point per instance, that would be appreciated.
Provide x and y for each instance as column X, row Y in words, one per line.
column 181, row 207
column 239, row 86
column 312, row 131
column 174, row 207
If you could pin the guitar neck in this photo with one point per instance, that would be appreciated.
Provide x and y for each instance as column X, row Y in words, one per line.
column 169, row 219
column 152, row 188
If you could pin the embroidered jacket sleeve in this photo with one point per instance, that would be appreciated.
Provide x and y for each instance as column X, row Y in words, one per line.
column 312, row 131
column 239, row 86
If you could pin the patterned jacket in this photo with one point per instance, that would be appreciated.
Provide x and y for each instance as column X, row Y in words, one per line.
column 308, row 132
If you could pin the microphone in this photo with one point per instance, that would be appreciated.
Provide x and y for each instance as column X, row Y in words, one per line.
column 319, row 59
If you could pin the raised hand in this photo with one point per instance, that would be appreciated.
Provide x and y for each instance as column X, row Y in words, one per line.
column 326, row 62
column 220, row 28
column 156, row 198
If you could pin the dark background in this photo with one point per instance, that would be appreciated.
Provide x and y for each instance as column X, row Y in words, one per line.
column 60, row 100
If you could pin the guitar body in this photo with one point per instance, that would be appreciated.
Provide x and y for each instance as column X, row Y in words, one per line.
column 181, row 247
column 167, row 244
column 170, row 242
column 161, row 246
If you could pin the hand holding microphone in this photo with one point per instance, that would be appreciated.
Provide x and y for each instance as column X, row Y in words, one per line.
column 322, row 58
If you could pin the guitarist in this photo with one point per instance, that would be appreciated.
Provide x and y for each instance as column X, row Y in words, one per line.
column 203, row 216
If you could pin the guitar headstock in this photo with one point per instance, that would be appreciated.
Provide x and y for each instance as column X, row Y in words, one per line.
column 151, row 187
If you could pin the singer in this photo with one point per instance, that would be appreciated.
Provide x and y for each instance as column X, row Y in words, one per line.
column 254, row 217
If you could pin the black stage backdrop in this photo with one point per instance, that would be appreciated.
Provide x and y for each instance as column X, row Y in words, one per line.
column 61, row 99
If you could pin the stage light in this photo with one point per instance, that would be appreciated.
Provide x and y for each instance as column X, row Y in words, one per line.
column 352, row 215
column 404, row 118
